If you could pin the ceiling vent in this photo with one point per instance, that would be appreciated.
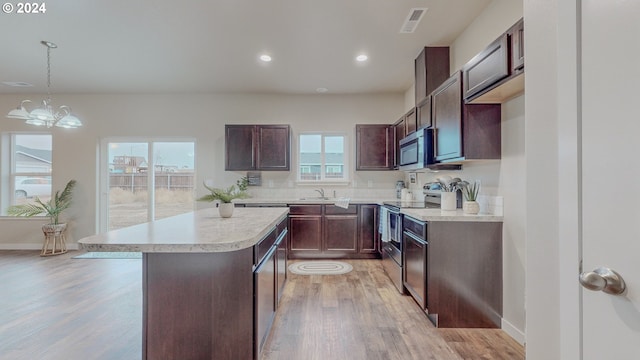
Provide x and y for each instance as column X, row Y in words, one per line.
column 412, row 20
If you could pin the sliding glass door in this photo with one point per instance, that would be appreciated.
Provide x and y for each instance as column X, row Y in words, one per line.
column 145, row 180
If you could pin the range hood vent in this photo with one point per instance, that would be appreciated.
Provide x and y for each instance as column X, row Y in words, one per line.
column 412, row 20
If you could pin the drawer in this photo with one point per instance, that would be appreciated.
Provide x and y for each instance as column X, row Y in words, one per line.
column 262, row 248
column 305, row 210
column 335, row 210
column 418, row 228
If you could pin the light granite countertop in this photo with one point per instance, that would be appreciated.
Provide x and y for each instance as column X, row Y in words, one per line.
column 441, row 215
column 309, row 200
column 200, row 231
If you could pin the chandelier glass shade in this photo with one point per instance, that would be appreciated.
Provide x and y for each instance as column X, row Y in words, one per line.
column 46, row 115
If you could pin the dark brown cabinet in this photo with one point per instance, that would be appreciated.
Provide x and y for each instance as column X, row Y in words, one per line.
column 431, row 69
column 516, row 33
column 463, row 131
column 410, row 119
column 495, row 74
column 415, row 260
column 305, row 223
column 399, row 132
column 423, row 114
column 486, row 68
column 464, row 274
column 257, row 147
column 327, row 231
column 374, row 147
column 368, row 228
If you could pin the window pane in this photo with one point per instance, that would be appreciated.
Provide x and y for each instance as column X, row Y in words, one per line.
column 310, row 157
column 174, row 175
column 32, row 154
column 334, row 157
column 27, row 188
column 128, row 196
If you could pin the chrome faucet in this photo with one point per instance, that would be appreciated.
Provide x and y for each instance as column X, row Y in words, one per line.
column 321, row 192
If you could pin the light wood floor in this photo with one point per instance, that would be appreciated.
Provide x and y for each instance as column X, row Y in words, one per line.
column 61, row 308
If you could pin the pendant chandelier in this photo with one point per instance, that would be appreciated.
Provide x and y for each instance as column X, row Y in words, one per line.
column 46, row 115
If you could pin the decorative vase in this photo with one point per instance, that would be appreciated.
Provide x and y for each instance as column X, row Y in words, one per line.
column 448, row 201
column 470, row 207
column 226, row 209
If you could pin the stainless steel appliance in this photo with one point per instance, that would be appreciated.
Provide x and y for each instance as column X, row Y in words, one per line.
column 416, row 150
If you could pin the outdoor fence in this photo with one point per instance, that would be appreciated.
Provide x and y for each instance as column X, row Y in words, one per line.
column 135, row 182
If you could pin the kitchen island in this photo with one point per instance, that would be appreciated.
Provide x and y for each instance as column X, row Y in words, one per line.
column 198, row 279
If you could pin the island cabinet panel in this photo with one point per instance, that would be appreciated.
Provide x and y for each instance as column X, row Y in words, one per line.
column 198, row 305
column 281, row 264
column 374, row 147
column 257, row 147
column 265, row 299
column 464, row 274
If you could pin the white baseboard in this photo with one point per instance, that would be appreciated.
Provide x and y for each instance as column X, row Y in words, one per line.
column 32, row 246
column 514, row 332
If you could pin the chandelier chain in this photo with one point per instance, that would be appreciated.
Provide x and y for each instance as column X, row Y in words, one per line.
column 49, row 72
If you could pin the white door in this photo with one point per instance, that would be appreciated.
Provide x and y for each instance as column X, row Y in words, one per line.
column 611, row 174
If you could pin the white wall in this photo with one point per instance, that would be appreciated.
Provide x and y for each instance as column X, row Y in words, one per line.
column 202, row 117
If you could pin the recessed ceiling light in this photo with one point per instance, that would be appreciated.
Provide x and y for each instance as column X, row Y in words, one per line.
column 16, row 83
column 322, row 90
column 362, row 57
column 265, row 58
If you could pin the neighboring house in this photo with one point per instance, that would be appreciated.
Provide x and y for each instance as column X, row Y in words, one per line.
column 32, row 160
column 129, row 164
column 310, row 165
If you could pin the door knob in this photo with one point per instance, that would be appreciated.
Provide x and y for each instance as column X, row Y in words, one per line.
column 603, row 279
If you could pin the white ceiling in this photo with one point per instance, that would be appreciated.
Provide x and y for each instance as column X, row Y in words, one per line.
column 107, row 46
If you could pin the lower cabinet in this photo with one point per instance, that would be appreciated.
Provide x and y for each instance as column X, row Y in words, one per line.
column 415, row 262
column 327, row 231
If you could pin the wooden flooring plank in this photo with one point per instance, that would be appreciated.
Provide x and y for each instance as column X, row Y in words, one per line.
column 59, row 308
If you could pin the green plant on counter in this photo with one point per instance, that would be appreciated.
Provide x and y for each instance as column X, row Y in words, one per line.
column 52, row 208
column 237, row 191
column 470, row 191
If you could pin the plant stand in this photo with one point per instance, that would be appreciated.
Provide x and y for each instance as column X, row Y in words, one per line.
column 54, row 241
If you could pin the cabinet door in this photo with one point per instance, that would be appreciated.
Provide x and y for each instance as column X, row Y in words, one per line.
column 431, row 69
column 517, row 46
column 273, row 147
column 486, row 68
column 415, row 268
column 281, row 266
column 399, row 132
column 423, row 114
column 368, row 227
column 239, row 147
column 374, row 147
column 447, row 118
column 411, row 121
column 305, row 236
column 340, row 234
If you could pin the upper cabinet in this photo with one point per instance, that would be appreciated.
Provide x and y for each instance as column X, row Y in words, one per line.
column 423, row 113
column 410, row 121
column 374, row 147
column 463, row 131
column 496, row 74
column 431, row 69
column 257, row 147
column 399, row 132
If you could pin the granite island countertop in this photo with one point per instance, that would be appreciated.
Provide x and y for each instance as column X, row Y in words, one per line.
column 196, row 232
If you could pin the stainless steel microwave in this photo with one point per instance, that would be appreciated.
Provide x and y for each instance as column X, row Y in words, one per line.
column 416, row 150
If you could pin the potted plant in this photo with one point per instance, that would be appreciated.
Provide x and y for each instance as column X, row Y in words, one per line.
column 225, row 196
column 470, row 193
column 54, row 230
